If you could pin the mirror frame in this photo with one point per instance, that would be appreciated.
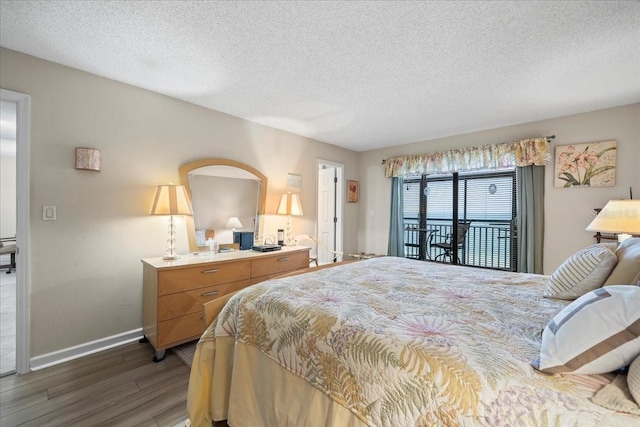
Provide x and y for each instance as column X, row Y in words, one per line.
column 184, row 180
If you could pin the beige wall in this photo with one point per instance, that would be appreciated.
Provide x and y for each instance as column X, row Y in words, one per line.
column 86, row 279
column 567, row 210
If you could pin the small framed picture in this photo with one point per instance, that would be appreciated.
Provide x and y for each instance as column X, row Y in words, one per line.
column 352, row 191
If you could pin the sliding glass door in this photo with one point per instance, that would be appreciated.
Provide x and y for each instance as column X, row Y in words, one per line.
column 482, row 204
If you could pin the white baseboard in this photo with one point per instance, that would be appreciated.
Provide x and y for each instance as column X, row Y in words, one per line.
column 70, row 353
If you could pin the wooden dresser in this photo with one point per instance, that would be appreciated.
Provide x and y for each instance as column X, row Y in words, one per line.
column 174, row 291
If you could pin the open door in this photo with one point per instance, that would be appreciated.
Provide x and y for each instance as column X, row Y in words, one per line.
column 330, row 211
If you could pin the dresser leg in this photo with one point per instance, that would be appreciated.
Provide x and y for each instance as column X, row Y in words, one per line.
column 159, row 357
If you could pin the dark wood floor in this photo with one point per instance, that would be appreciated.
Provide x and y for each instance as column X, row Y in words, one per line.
column 117, row 387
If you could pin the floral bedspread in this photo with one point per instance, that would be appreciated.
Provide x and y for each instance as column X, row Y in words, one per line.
column 407, row 343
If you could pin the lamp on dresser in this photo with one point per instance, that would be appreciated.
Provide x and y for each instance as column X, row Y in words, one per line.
column 621, row 217
column 171, row 200
column 289, row 205
column 233, row 223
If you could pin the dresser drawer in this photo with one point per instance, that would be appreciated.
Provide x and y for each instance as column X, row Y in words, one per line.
column 279, row 264
column 181, row 329
column 179, row 304
column 185, row 279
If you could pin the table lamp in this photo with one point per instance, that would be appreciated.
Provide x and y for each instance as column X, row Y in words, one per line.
column 621, row 217
column 233, row 223
column 171, row 200
column 289, row 205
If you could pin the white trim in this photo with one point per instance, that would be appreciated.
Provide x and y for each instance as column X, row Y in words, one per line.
column 340, row 200
column 23, row 233
column 75, row 352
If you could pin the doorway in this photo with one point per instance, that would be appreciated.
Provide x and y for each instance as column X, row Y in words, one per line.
column 330, row 208
column 15, row 125
column 8, row 300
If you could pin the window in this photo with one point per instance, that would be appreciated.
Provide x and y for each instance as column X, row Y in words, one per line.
column 486, row 201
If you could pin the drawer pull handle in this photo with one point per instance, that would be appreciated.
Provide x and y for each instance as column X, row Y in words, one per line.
column 283, row 259
column 213, row 270
column 210, row 293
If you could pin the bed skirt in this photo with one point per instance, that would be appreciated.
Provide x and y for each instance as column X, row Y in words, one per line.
column 260, row 386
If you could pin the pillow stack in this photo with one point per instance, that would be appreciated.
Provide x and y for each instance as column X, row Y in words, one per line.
column 597, row 333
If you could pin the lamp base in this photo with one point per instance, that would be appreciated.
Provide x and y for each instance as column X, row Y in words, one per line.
column 171, row 254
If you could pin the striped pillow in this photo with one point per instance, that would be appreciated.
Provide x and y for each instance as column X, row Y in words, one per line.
column 582, row 272
column 597, row 333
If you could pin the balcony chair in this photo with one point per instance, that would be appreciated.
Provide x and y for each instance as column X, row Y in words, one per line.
column 446, row 246
column 8, row 247
column 312, row 243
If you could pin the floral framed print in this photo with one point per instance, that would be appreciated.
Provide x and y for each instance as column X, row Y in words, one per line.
column 352, row 191
column 586, row 165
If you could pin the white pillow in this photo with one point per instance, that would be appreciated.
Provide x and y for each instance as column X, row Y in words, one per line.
column 582, row 272
column 628, row 268
column 633, row 379
column 597, row 333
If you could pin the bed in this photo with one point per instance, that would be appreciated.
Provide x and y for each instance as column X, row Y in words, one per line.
column 389, row 342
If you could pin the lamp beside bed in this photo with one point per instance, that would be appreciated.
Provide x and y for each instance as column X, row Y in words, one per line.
column 621, row 217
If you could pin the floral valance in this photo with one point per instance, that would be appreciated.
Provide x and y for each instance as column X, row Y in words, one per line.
column 532, row 151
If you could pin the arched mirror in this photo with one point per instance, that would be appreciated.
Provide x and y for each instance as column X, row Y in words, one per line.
column 221, row 191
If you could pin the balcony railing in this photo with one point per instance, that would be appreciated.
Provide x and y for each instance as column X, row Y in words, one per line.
column 487, row 244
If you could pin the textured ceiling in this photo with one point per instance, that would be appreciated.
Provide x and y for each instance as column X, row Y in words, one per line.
column 360, row 75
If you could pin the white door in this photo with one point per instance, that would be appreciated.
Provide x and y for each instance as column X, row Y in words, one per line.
column 329, row 221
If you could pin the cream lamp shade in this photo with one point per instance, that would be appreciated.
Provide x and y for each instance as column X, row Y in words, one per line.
column 233, row 223
column 171, row 200
column 621, row 217
column 290, row 204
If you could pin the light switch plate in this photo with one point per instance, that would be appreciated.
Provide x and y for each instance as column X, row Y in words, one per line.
column 48, row 213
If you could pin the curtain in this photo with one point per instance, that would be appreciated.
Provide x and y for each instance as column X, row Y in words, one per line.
column 532, row 151
column 530, row 218
column 396, row 226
